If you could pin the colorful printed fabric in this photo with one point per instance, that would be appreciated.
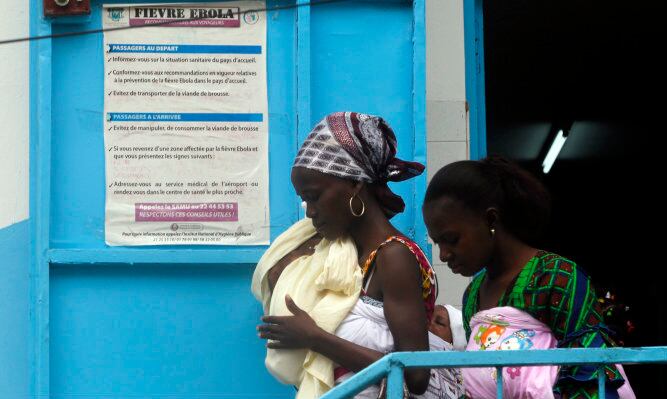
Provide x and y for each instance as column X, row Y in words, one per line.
column 556, row 292
column 508, row 328
column 366, row 325
column 428, row 279
column 358, row 147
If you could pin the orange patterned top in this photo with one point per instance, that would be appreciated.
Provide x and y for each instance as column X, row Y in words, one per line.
column 428, row 279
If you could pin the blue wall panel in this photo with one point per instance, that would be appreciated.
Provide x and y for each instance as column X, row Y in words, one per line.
column 156, row 332
column 177, row 330
column 362, row 61
column 14, row 311
column 473, row 21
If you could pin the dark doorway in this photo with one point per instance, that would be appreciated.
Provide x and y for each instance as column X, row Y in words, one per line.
column 596, row 66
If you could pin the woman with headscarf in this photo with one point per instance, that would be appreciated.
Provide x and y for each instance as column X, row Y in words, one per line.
column 341, row 173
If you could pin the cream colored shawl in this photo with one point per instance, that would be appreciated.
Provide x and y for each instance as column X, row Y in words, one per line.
column 325, row 284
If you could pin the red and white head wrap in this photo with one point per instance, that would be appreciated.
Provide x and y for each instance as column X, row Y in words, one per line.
column 358, row 147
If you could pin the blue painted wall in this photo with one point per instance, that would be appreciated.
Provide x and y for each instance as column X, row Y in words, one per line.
column 180, row 322
column 14, row 311
column 179, row 328
column 473, row 20
column 361, row 56
column 183, row 331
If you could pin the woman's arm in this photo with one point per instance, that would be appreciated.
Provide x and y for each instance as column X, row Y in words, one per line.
column 300, row 331
column 398, row 276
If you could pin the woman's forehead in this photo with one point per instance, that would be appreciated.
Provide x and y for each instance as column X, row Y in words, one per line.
column 305, row 178
column 447, row 212
column 444, row 207
column 305, row 173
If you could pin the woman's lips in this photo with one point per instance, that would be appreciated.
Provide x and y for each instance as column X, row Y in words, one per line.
column 454, row 268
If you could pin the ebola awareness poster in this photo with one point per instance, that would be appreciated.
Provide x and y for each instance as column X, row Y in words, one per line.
column 186, row 124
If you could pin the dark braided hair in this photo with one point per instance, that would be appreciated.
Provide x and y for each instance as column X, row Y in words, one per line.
column 523, row 203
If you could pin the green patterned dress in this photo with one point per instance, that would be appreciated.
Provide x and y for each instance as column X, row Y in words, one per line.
column 556, row 292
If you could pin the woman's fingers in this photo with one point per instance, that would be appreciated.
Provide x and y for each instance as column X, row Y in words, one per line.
column 272, row 328
column 278, row 345
column 270, row 335
column 270, row 331
column 288, row 332
column 267, row 328
column 274, row 319
column 291, row 305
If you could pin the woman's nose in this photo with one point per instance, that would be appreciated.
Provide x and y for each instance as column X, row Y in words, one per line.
column 445, row 254
column 310, row 210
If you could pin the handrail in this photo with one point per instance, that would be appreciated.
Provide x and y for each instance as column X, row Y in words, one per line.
column 392, row 365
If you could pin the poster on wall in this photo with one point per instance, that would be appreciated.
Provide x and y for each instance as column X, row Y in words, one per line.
column 186, row 124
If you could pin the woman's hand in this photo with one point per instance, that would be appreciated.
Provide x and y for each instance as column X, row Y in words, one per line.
column 290, row 332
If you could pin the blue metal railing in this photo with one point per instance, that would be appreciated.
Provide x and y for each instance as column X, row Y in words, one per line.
column 392, row 365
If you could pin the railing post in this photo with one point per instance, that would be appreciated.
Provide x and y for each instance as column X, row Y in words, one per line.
column 602, row 391
column 395, row 381
column 499, row 382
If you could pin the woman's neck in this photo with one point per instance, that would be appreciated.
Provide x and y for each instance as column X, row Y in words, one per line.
column 371, row 230
column 511, row 255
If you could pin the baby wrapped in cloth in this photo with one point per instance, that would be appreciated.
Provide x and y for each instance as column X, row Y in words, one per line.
column 325, row 284
column 508, row 328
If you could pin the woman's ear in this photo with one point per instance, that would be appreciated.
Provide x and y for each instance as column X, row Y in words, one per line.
column 492, row 218
column 358, row 186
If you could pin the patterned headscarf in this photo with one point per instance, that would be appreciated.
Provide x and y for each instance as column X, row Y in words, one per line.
column 358, row 147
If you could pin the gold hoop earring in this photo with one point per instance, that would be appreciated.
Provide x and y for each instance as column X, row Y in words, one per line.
column 363, row 207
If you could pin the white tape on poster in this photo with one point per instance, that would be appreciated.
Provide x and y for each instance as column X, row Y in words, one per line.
column 186, row 124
